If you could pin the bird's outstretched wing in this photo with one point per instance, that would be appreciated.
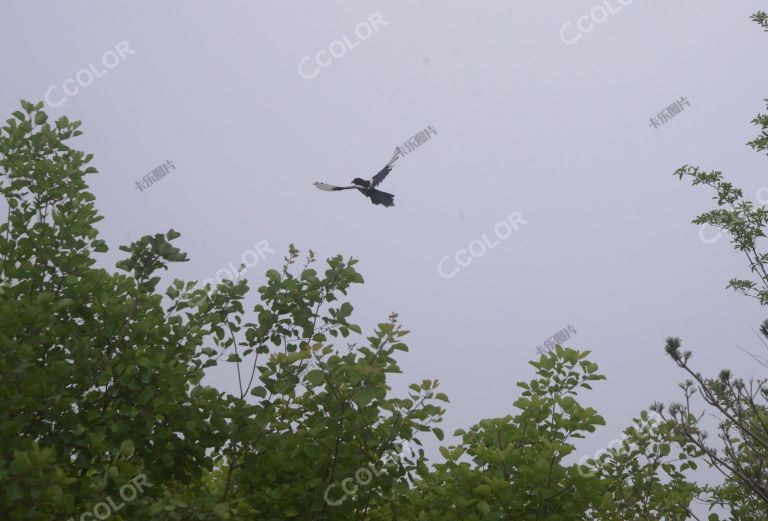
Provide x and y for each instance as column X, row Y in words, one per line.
column 378, row 178
column 328, row 188
column 383, row 198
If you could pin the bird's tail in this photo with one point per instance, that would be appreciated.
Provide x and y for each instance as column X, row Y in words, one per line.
column 331, row 188
column 395, row 156
column 382, row 198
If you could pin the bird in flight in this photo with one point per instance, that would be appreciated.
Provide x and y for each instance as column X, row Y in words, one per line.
column 368, row 188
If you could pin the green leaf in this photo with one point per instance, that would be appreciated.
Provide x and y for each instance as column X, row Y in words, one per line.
column 259, row 391
column 355, row 328
column 315, row 377
column 127, row 448
column 221, row 510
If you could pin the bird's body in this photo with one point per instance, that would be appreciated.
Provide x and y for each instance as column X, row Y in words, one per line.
column 368, row 187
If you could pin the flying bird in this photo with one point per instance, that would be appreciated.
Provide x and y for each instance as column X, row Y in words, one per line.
column 368, row 188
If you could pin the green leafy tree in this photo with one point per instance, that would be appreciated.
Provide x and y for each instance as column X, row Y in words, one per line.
column 95, row 377
column 312, row 445
column 101, row 374
column 515, row 468
column 512, row 467
column 644, row 477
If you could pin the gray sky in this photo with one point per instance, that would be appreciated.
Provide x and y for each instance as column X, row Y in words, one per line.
column 525, row 123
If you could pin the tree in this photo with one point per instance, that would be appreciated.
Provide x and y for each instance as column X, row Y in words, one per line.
column 645, row 478
column 95, row 377
column 514, row 468
column 100, row 379
column 742, row 407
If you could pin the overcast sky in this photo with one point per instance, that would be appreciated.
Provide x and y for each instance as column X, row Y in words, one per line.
column 539, row 108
